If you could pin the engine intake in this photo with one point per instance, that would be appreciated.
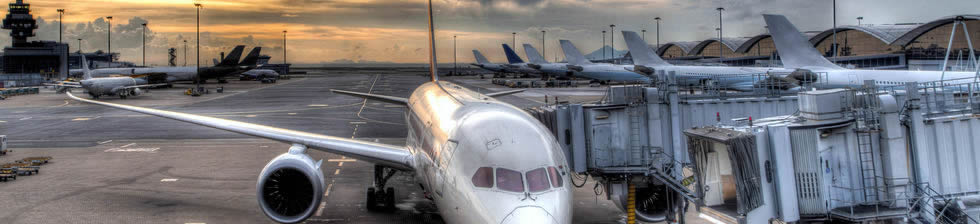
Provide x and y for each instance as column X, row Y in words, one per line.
column 291, row 186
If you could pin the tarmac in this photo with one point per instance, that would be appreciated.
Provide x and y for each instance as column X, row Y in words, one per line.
column 113, row 166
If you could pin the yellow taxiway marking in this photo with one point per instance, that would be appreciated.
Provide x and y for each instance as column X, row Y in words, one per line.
column 292, row 113
column 169, row 180
column 252, row 115
column 340, row 164
column 335, row 172
column 318, row 105
column 81, row 119
column 319, row 211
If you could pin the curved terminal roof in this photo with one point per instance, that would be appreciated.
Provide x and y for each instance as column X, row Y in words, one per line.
column 891, row 34
column 686, row 46
column 907, row 38
column 886, row 33
column 732, row 43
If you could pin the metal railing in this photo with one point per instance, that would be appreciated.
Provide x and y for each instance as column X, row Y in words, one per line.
column 937, row 208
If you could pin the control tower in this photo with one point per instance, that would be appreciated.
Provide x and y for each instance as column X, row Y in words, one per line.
column 20, row 22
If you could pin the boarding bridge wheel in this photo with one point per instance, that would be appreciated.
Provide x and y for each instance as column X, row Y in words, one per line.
column 380, row 198
column 649, row 202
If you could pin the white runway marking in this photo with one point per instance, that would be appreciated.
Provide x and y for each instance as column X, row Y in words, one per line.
column 341, row 160
column 251, row 115
column 81, row 119
column 124, row 149
column 169, row 180
column 292, row 113
column 100, row 143
column 317, row 105
column 26, row 118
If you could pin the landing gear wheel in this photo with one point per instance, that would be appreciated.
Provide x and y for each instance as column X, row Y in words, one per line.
column 390, row 199
column 372, row 199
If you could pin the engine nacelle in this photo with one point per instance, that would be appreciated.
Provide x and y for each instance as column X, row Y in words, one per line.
column 290, row 187
column 135, row 92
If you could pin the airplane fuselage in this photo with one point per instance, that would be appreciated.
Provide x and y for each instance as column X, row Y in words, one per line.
column 738, row 78
column 609, row 72
column 484, row 161
column 109, row 86
column 521, row 68
column 853, row 78
column 558, row 70
column 492, row 67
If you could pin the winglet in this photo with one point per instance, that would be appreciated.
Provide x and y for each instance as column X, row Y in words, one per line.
column 512, row 56
column 572, row 55
column 794, row 49
column 533, row 56
column 432, row 46
column 641, row 52
column 480, row 59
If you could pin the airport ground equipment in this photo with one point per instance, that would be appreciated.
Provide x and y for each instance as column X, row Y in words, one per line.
column 3, row 145
column 21, row 168
column 7, row 174
column 632, row 143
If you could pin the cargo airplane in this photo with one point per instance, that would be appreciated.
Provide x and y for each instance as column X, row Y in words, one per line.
column 480, row 160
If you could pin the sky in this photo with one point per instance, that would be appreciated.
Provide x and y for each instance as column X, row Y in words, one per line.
column 345, row 31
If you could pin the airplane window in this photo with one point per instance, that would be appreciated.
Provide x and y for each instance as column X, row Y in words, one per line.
column 537, row 180
column 483, row 177
column 510, row 180
column 555, row 178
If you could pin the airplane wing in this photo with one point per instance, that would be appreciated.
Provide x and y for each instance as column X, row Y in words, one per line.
column 504, row 93
column 65, row 84
column 397, row 157
column 389, row 99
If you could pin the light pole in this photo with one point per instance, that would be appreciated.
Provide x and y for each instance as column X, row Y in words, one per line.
column 185, row 53
column 455, row 71
column 720, row 30
column 284, row 47
column 603, row 45
column 80, row 45
column 514, row 36
column 859, row 20
column 144, row 44
column 658, row 32
column 542, row 44
column 197, row 77
column 835, row 32
column 644, row 37
column 612, row 41
column 109, row 19
column 61, row 13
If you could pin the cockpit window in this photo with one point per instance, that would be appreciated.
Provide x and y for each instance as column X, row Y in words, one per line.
column 555, row 177
column 510, row 180
column 537, row 180
column 483, row 177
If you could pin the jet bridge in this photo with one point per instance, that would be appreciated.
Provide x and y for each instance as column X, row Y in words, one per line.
column 633, row 143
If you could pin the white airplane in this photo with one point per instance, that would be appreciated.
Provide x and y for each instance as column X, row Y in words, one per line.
column 797, row 53
column 516, row 64
column 483, row 63
column 581, row 67
column 107, row 86
column 647, row 62
column 557, row 70
column 480, row 160
column 226, row 67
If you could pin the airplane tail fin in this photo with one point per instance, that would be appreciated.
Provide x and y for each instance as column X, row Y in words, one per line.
column 572, row 55
column 794, row 49
column 480, row 59
column 233, row 57
column 86, row 72
column 433, row 70
column 641, row 52
column 252, row 59
column 533, row 55
column 215, row 61
column 512, row 56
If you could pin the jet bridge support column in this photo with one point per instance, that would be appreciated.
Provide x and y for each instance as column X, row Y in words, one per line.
column 894, row 156
column 675, row 119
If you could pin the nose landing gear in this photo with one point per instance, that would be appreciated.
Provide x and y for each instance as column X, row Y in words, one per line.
column 380, row 198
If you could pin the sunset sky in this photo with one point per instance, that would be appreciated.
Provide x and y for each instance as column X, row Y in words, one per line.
column 322, row 31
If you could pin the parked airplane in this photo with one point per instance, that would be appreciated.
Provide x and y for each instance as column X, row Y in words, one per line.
column 462, row 148
column 647, row 62
column 812, row 68
column 229, row 66
column 483, row 63
column 582, row 67
column 107, row 86
column 557, row 70
column 516, row 64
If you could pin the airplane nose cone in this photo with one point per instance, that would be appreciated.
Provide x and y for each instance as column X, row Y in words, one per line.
column 530, row 214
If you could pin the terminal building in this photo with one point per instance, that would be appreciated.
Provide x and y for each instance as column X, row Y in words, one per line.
column 913, row 46
column 27, row 63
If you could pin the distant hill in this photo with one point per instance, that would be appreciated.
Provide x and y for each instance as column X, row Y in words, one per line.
column 597, row 54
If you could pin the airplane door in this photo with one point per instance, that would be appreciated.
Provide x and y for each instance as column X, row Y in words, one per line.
column 444, row 167
column 854, row 78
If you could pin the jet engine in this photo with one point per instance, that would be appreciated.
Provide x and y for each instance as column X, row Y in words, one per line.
column 135, row 92
column 291, row 186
